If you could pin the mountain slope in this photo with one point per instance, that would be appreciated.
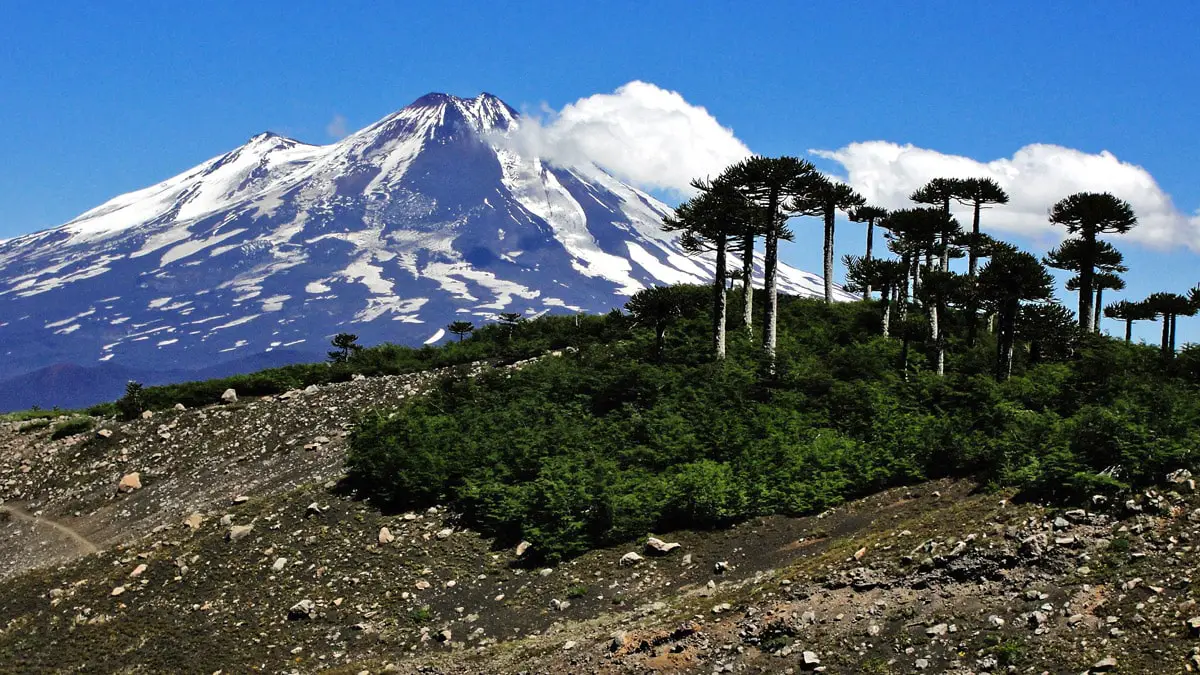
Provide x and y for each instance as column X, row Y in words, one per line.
column 425, row 216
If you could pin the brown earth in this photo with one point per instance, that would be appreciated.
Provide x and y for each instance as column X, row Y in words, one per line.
column 935, row 578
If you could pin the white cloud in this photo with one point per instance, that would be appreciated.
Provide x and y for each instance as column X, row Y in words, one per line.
column 337, row 127
column 1035, row 177
column 641, row 133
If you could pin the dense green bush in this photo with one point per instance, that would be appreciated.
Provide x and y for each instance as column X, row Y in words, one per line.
column 613, row 441
column 71, row 426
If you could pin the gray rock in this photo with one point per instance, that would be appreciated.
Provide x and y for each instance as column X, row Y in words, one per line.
column 660, row 547
column 230, row 396
column 302, row 610
column 239, row 532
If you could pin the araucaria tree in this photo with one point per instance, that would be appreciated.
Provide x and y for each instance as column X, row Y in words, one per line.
column 869, row 215
column 1088, row 215
column 825, row 197
column 715, row 221
column 1129, row 312
column 345, row 345
column 1107, row 263
column 938, row 192
column 1010, row 279
column 461, row 328
column 769, row 182
column 978, row 193
column 1170, row 306
column 657, row 307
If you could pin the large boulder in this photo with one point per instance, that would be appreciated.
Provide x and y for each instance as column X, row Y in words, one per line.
column 230, row 396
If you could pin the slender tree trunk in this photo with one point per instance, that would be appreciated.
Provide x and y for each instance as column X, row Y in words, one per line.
column 903, row 315
column 1166, row 336
column 1096, row 309
column 1008, row 321
column 870, row 245
column 946, row 236
column 771, row 263
column 886, row 293
column 973, row 259
column 1173, row 320
column 829, row 216
column 939, row 340
column 748, row 284
column 1128, row 330
column 719, row 300
column 1087, row 272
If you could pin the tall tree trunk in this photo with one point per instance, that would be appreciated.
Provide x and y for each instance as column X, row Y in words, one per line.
column 870, row 245
column 946, row 236
column 1173, row 319
column 1087, row 272
column 973, row 259
column 771, row 263
column 748, row 284
column 903, row 316
column 1096, row 309
column 940, row 344
column 1128, row 330
column 829, row 216
column 1008, row 325
column 1166, row 335
column 719, row 300
column 886, row 293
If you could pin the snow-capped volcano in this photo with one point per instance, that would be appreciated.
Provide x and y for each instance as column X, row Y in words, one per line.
column 426, row 216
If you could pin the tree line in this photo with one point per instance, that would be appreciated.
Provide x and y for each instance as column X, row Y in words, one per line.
column 1007, row 289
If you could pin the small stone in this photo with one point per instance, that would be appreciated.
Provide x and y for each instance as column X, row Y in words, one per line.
column 618, row 641
column 105, row 433
column 810, row 660
column 386, row 536
column 117, row 591
column 137, row 571
column 545, row 571
column 238, row 532
column 1193, row 625
column 720, row 567
column 445, row 532
column 630, row 559
column 147, row 414
column 194, row 521
column 313, row 509
column 130, row 482
column 180, row 407
column 921, row 664
column 421, row 584
column 522, row 548
column 1105, row 664
column 858, row 555
column 939, row 630
column 230, row 396
column 240, row 499
column 301, row 610
column 569, row 645
column 280, row 563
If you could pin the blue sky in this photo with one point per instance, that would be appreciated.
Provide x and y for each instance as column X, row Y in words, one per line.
column 97, row 99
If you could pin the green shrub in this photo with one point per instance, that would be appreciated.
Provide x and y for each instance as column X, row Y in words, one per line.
column 71, row 427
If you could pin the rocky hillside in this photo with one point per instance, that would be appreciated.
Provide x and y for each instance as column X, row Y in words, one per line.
column 220, row 540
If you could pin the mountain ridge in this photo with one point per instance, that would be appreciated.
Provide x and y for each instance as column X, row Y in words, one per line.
column 426, row 216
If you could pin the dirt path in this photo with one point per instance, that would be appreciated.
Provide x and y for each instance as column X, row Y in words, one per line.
column 85, row 546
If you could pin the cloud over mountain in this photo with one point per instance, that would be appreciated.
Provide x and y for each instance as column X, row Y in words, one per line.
column 641, row 133
column 1036, row 176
